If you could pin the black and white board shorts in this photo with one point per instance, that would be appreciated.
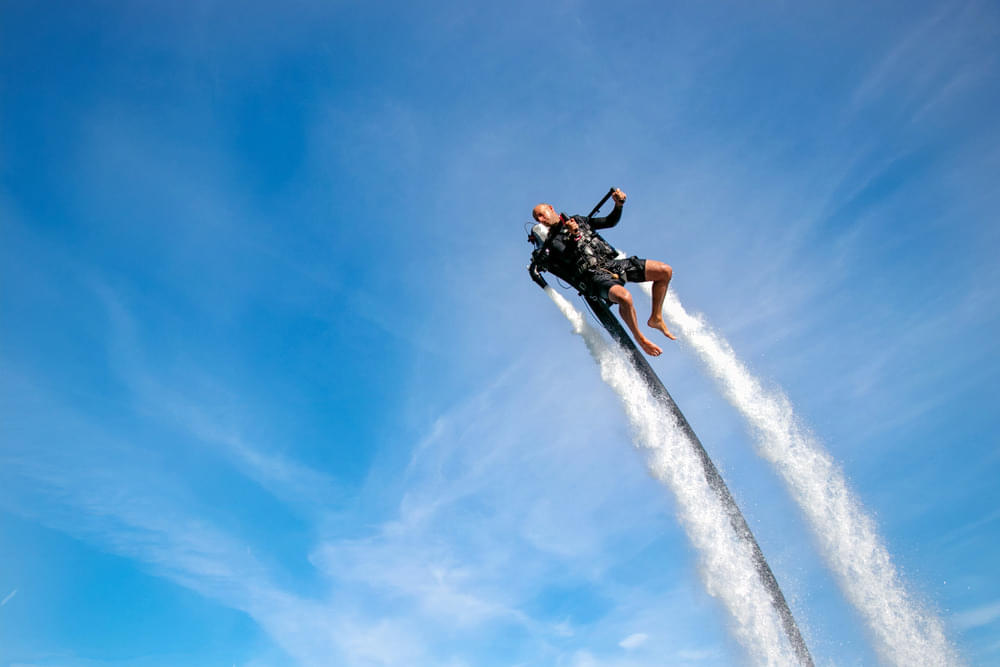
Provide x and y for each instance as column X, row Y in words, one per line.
column 618, row 272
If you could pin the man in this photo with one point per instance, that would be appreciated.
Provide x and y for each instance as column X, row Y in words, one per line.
column 576, row 253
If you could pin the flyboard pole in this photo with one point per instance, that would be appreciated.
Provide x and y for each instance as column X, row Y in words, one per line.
column 736, row 520
column 715, row 481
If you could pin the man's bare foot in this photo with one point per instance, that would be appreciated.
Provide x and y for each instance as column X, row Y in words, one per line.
column 651, row 348
column 658, row 323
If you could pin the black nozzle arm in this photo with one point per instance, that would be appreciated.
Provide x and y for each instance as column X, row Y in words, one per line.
column 536, row 275
column 601, row 203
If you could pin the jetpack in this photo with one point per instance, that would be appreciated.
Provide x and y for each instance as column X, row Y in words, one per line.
column 540, row 236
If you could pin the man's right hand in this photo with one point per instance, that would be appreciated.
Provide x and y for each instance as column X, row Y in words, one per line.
column 618, row 196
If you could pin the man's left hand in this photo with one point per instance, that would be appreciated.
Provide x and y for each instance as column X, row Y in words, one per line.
column 618, row 196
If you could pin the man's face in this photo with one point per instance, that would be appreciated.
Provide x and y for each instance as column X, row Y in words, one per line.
column 545, row 214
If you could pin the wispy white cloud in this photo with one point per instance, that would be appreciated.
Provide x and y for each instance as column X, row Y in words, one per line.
column 8, row 597
column 898, row 58
column 694, row 655
column 395, row 593
column 633, row 641
column 978, row 617
column 508, row 490
column 937, row 59
column 305, row 489
column 102, row 505
column 443, row 560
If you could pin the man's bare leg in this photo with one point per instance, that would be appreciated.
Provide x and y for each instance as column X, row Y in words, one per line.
column 621, row 296
column 660, row 274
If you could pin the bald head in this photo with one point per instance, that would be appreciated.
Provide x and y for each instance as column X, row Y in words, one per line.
column 545, row 214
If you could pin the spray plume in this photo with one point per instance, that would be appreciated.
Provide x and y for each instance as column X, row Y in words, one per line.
column 905, row 633
column 726, row 560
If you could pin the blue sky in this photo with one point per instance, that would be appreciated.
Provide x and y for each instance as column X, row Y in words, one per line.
column 276, row 388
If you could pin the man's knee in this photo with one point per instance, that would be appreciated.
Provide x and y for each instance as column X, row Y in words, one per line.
column 620, row 295
column 658, row 270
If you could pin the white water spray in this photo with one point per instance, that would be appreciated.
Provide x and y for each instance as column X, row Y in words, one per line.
column 726, row 561
column 906, row 633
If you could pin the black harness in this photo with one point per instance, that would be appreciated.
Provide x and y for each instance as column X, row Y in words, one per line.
column 573, row 256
